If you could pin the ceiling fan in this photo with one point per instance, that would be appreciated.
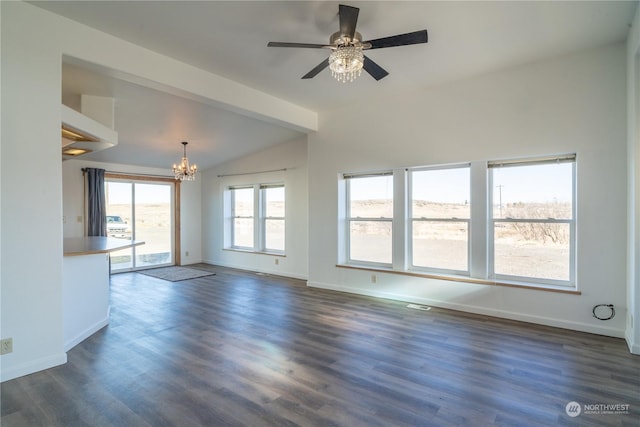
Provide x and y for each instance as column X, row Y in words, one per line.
column 346, row 60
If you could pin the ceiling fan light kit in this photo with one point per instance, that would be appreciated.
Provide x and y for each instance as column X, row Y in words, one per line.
column 347, row 59
column 346, row 63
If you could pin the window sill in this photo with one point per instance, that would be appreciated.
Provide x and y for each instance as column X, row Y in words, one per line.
column 529, row 286
column 251, row 251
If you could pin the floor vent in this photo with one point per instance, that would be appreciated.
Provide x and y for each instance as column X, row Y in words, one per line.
column 419, row 307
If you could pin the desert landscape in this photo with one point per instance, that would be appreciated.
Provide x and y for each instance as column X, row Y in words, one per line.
column 527, row 249
column 153, row 226
column 521, row 248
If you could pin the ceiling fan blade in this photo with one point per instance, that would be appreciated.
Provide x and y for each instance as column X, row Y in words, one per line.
column 348, row 20
column 376, row 71
column 308, row 45
column 321, row 66
column 399, row 40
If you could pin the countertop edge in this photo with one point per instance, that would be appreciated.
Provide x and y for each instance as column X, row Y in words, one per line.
column 96, row 245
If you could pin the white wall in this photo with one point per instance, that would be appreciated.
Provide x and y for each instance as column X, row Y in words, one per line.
column 1, row 135
column 31, row 226
column 33, row 44
column 190, row 206
column 632, row 333
column 191, row 221
column 571, row 104
column 291, row 156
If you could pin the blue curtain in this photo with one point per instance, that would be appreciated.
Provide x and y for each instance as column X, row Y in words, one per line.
column 97, row 207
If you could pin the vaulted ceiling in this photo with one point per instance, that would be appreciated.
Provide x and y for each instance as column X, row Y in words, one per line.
column 229, row 38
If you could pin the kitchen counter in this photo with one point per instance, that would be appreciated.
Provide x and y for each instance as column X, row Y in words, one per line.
column 85, row 285
column 96, row 245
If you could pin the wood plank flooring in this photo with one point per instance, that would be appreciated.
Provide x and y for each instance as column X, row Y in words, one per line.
column 240, row 349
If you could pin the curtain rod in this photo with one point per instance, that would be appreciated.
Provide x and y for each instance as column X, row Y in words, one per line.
column 132, row 174
column 252, row 173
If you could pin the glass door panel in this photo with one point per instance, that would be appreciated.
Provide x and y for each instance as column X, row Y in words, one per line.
column 119, row 220
column 153, row 224
column 140, row 211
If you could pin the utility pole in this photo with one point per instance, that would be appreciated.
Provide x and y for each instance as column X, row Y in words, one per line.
column 500, row 192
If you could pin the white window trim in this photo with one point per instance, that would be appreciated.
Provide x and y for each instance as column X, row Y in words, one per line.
column 480, row 228
column 232, row 228
column 410, row 221
column 259, row 219
column 264, row 218
column 348, row 219
column 491, row 223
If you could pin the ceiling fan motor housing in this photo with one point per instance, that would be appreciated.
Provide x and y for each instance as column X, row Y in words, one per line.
column 338, row 39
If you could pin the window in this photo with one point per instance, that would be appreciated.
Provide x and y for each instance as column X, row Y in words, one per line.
column 369, row 217
column 273, row 217
column 440, row 219
column 243, row 207
column 257, row 218
column 506, row 222
column 533, row 220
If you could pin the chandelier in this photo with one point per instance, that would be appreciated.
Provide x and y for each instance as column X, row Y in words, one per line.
column 346, row 59
column 346, row 63
column 183, row 171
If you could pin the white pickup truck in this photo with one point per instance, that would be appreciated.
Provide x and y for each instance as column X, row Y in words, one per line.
column 117, row 227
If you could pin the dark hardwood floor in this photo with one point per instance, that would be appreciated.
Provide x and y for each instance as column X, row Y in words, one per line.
column 240, row 349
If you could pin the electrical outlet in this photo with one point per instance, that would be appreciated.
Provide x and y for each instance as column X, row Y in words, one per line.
column 79, row 218
column 186, row 253
column 276, row 261
column 6, row 345
column 374, row 279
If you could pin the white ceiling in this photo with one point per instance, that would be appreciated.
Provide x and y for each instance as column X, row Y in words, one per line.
column 151, row 124
column 230, row 39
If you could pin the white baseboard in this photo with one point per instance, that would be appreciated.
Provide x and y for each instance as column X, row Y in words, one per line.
column 68, row 345
column 634, row 347
column 541, row 320
column 257, row 270
column 32, row 366
column 191, row 262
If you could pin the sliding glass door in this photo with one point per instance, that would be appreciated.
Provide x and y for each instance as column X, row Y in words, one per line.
column 119, row 197
column 141, row 211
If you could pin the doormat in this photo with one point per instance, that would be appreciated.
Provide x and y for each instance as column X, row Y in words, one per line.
column 176, row 274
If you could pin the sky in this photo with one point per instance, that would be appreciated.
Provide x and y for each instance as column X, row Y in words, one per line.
column 119, row 193
column 275, row 194
column 539, row 183
column 532, row 183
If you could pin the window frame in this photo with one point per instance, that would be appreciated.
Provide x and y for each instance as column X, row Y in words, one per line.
column 492, row 221
column 259, row 218
column 349, row 219
column 234, row 216
column 264, row 218
column 174, row 196
column 411, row 220
column 480, row 230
